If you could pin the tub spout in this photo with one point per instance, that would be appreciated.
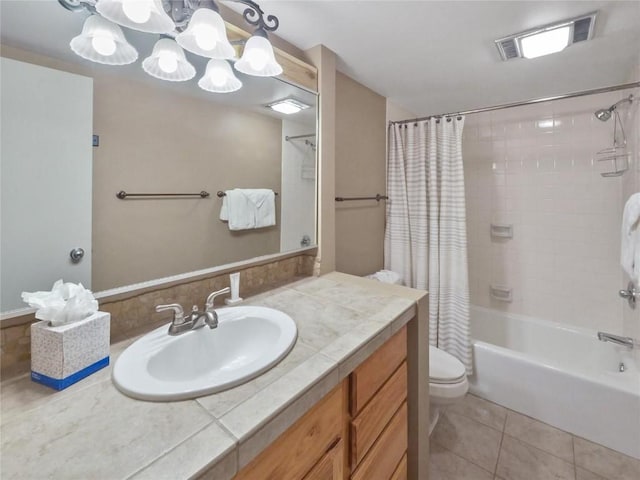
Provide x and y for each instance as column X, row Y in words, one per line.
column 609, row 337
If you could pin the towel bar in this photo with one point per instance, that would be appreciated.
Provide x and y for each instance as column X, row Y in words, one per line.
column 122, row 194
column 377, row 198
column 221, row 194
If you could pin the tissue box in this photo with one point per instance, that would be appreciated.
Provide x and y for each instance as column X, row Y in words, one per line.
column 64, row 355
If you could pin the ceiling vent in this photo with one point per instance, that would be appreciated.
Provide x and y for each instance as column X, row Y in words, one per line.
column 563, row 33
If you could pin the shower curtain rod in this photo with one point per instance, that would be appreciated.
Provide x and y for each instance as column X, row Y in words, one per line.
column 526, row 102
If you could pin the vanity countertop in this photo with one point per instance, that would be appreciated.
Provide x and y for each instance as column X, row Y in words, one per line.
column 91, row 430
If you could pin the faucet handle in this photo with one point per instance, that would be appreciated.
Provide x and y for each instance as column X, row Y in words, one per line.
column 178, row 312
column 212, row 296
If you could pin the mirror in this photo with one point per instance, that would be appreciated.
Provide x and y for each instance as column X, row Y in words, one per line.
column 150, row 136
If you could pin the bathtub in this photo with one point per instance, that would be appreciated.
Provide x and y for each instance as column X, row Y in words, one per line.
column 558, row 374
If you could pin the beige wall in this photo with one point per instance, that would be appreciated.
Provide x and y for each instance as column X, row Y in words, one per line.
column 152, row 141
column 145, row 133
column 325, row 61
column 396, row 112
column 360, row 171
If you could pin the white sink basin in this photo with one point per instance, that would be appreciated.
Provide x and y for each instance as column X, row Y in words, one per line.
column 247, row 342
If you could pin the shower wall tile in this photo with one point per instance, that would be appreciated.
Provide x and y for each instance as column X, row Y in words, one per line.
column 631, row 185
column 536, row 167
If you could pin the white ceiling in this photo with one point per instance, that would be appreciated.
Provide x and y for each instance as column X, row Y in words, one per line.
column 429, row 57
column 438, row 56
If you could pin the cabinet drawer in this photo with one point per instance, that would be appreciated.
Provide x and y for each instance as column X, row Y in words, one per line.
column 295, row 452
column 382, row 459
column 401, row 470
column 367, row 379
column 331, row 466
column 373, row 418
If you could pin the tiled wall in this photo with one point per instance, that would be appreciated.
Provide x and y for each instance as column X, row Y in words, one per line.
column 134, row 315
column 535, row 167
column 631, row 185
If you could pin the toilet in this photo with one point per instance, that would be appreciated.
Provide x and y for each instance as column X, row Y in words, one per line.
column 447, row 382
column 447, row 375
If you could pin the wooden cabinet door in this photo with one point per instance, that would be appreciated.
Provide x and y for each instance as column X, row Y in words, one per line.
column 381, row 461
column 331, row 466
column 298, row 450
column 367, row 379
column 372, row 419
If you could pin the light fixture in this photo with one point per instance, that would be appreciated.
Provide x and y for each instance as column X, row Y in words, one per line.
column 143, row 15
column 258, row 58
column 196, row 26
column 219, row 78
column 546, row 42
column 206, row 35
column 547, row 39
column 103, row 42
column 288, row 106
column 167, row 62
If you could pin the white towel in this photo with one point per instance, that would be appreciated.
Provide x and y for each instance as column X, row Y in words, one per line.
column 248, row 208
column 630, row 247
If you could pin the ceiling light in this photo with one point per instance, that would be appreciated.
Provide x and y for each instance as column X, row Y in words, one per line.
column 258, row 58
column 547, row 39
column 103, row 42
column 288, row 106
column 143, row 15
column 167, row 62
column 545, row 42
column 206, row 35
column 219, row 78
column 197, row 27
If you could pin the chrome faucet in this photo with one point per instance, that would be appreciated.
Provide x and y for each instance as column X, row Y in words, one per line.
column 196, row 318
column 609, row 337
column 208, row 305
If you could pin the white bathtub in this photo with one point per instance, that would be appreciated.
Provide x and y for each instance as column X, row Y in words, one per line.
column 559, row 375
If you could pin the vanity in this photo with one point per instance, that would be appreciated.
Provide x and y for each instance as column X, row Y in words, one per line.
column 346, row 402
column 349, row 400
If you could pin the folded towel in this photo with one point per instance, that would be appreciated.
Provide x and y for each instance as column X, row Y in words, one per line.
column 630, row 246
column 386, row 276
column 248, row 208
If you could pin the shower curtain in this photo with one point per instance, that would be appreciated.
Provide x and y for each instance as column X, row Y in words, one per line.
column 426, row 235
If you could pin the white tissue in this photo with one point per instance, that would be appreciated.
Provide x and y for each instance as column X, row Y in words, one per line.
column 65, row 303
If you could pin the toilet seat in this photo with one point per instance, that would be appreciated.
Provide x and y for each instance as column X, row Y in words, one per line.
column 444, row 368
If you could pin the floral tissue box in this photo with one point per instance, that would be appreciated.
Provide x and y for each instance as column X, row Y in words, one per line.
column 64, row 355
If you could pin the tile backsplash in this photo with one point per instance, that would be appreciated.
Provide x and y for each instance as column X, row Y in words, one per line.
column 135, row 314
column 535, row 167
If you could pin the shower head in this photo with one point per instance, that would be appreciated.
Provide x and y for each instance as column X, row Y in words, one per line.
column 604, row 114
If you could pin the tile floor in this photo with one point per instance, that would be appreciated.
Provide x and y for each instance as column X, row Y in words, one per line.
column 479, row 440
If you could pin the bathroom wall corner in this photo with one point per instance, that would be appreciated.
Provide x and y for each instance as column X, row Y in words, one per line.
column 325, row 61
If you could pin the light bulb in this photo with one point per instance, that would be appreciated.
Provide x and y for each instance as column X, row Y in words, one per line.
column 103, row 44
column 257, row 58
column 218, row 77
column 167, row 62
column 205, row 36
column 138, row 11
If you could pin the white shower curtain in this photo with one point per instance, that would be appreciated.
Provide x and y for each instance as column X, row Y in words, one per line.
column 426, row 235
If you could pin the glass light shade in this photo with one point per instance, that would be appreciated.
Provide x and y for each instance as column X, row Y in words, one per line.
column 143, row 15
column 103, row 42
column 544, row 43
column 219, row 78
column 206, row 36
column 167, row 62
column 258, row 58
